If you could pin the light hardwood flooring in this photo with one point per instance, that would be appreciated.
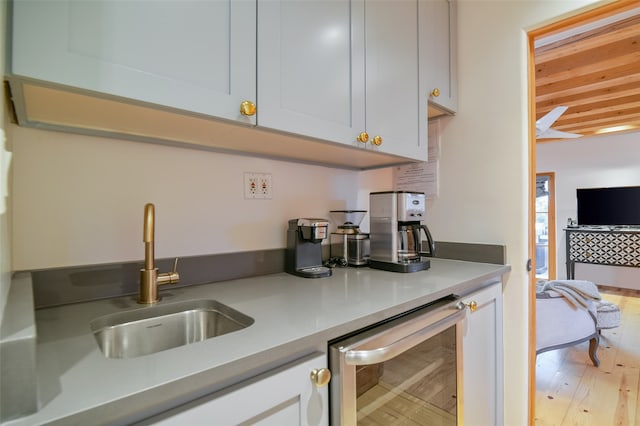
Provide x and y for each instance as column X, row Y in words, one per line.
column 570, row 390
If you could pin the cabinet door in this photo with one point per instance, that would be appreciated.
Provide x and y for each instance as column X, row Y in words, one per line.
column 482, row 359
column 197, row 56
column 311, row 68
column 394, row 108
column 286, row 397
column 438, row 53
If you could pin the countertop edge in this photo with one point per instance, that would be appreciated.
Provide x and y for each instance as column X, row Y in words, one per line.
column 18, row 336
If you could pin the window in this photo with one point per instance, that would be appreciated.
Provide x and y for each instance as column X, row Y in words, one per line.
column 545, row 226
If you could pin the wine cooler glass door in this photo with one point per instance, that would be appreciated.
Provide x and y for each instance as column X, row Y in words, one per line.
column 409, row 377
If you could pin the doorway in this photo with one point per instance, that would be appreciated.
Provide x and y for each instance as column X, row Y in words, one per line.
column 536, row 238
column 571, row 22
column 545, row 227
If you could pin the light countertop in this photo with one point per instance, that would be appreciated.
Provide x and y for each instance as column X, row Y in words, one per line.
column 293, row 317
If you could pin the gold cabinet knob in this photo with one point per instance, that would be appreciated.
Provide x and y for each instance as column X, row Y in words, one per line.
column 363, row 137
column 435, row 92
column 248, row 108
column 473, row 305
column 320, row 376
column 377, row 140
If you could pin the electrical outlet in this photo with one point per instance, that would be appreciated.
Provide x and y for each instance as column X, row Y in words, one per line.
column 257, row 186
column 250, row 185
column 264, row 185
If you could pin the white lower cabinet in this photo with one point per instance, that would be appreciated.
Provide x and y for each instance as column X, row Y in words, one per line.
column 482, row 368
column 284, row 397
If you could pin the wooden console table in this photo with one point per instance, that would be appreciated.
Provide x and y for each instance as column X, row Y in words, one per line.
column 602, row 246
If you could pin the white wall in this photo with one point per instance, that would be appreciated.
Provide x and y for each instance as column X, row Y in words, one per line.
column 79, row 200
column 484, row 159
column 593, row 162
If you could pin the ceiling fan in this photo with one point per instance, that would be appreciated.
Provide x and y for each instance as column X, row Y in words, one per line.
column 543, row 126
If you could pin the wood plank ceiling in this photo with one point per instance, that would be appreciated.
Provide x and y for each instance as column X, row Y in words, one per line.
column 595, row 73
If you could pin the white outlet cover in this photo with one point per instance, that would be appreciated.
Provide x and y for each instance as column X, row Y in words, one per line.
column 257, row 186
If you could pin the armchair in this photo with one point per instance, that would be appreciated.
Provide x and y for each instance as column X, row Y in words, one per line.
column 559, row 323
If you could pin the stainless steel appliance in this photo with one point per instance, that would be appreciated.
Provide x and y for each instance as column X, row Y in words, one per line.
column 404, row 371
column 396, row 226
column 348, row 242
column 304, row 248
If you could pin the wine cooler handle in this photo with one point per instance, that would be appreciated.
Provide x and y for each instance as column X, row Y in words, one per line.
column 385, row 353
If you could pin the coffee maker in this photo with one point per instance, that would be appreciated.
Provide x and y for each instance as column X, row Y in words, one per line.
column 396, row 226
column 304, row 248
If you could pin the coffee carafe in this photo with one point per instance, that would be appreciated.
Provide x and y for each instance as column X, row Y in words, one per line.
column 410, row 242
column 304, row 248
column 396, row 229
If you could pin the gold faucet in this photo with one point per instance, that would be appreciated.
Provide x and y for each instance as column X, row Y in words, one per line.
column 150, row 279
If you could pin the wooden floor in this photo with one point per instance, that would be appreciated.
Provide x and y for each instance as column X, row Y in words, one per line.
column 570, row 390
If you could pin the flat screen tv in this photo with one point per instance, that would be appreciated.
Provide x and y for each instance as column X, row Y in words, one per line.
column 619, row 206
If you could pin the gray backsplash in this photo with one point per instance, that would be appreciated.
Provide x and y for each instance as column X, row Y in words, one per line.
column 60, row 286
column 472, row 252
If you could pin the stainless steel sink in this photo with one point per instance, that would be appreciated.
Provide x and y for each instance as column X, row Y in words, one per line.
column 149, row 330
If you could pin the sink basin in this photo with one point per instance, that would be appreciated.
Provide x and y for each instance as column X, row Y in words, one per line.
column 153, row 329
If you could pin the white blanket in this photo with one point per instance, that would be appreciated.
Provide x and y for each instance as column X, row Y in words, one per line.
column 579, row 293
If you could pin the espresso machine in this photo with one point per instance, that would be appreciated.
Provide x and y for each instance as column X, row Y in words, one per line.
column 304, row 247
column 396, row 227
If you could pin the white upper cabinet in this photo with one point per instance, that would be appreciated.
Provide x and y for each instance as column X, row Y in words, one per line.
column 438, row 53
column 334, row 70
column 197, row 56
column 396, row 112
column 311, row 68
column 354, row 73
